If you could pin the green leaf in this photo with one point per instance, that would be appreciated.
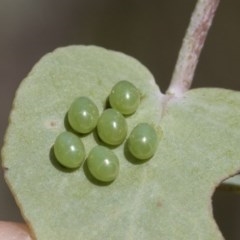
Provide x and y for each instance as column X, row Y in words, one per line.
column 167, row 197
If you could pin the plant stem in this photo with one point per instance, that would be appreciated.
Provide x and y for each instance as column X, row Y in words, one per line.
column 193, row 42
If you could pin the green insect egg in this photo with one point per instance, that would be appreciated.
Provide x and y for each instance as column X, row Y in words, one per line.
column 143, row 141
column 103, row 164
column 69, row 150
column 83, row 115
column 112, row 127
column 124, row 97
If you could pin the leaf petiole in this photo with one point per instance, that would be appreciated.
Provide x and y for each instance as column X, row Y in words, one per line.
column 193, row 42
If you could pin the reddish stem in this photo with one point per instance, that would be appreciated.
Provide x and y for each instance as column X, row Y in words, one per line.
column 193, row 42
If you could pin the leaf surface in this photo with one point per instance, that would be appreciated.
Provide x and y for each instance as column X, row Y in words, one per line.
column 167, row 197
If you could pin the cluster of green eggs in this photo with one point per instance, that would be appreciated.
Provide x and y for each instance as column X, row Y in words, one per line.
column 112, row 129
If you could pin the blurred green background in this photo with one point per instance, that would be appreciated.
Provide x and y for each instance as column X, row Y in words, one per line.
column 150, row 31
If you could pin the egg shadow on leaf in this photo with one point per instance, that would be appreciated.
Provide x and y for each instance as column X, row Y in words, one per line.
column 56, row 164
column 107, row 104
column 66, row 123
column 92, row 179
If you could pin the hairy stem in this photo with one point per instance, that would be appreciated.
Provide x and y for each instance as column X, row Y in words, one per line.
column 193, row 42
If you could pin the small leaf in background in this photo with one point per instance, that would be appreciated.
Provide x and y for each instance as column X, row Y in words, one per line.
column 166, row 197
